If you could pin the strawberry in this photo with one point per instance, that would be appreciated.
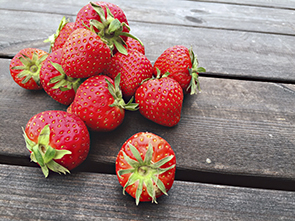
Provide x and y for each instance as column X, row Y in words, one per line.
column 145, row 166
column 55, row 82
column 108, row 21
column 134, row 44
column 84, row 54
column 25, row 68
column 99, row 103
column 58, row 39
column 182, row 65
column 57, row 141
column 134, row 68
column 160, row 100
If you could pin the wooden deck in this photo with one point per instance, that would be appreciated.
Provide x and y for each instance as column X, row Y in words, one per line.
column 235, row 142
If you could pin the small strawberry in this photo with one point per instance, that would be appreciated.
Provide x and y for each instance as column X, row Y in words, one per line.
column 99, row 103
column 55, row 82
column 58, row 39
column 108, row 21
column 25, row 68
column 145, row 167
column 57, row 141
column 160, row 100
column 182, row 65
column 84, row 54
column 134, row 68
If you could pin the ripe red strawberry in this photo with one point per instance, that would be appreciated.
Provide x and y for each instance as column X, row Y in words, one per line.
column 134, row 68
column 84, row 54
column 57, row 141
column 134, row 44
column 108, row 21
column 55, row 82
column 58, row 39
column 145, row 167
column 25, row 68
column 160, row 100
column 182, row 65
column 99, row 103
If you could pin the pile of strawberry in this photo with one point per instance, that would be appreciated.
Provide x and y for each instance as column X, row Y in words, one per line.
column 97, row 68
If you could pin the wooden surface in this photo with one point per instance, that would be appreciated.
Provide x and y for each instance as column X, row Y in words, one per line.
column 239, row 131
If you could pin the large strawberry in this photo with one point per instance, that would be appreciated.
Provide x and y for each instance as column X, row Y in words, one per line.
column 145, row 166
column 182, row 65
column 55, row 82
column 160, row 100
column 58, row 39
column 25, row 67
column 99, row 103
column 57, row 141
column 108, row 21
column 134, row 68
column 84, row 54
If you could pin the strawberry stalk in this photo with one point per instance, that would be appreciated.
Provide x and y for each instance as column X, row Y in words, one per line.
column 43, row 154
column 110, row 29
column 194, row 72
column 145, row 172
column 116, row 92
column 30, row 67
column 64, row 82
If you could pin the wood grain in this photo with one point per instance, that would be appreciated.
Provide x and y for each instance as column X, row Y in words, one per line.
column 243, row 127
column 26, row 195
column 232, row 53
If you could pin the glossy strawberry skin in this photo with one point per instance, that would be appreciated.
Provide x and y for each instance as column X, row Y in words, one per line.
column 63, row 36
column 84, row 54
column 31, row 84
column 67, row 131
column 175, row 60
column 87, row 13
column 161, row 149
column 92, row 104
column 160, row 100
column 134, row 68
column 134, row 44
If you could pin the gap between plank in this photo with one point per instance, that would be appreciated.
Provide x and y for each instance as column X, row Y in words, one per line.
column 184, row 175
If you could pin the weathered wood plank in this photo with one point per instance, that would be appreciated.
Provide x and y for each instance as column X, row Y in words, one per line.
column 229, row 53
column 190, row 13
column 243, row 127
column 26, row 195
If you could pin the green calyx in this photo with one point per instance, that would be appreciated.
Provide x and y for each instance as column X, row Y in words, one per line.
column 145, row 172
column 110, row 29
column 43, row 154
column 194, row 72
column 30, row 68
column 116, row 92
column 62, row 81
column 53, row 37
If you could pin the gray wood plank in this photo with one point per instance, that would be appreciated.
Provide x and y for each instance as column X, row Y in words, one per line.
column 220, row 15
column 225, row 53
column 243, row 127
column 26, row 195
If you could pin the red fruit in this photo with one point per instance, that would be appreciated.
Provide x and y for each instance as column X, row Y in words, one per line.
column 99, row 103
column 145, row 166
column 57, row 141
column 182, row 65
column 160, row 100
column 134, row 44
column 84, row 54
column 25, row 68
column 58, row 39
column 134, row 68
column 55, row 82
column 108, row 21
